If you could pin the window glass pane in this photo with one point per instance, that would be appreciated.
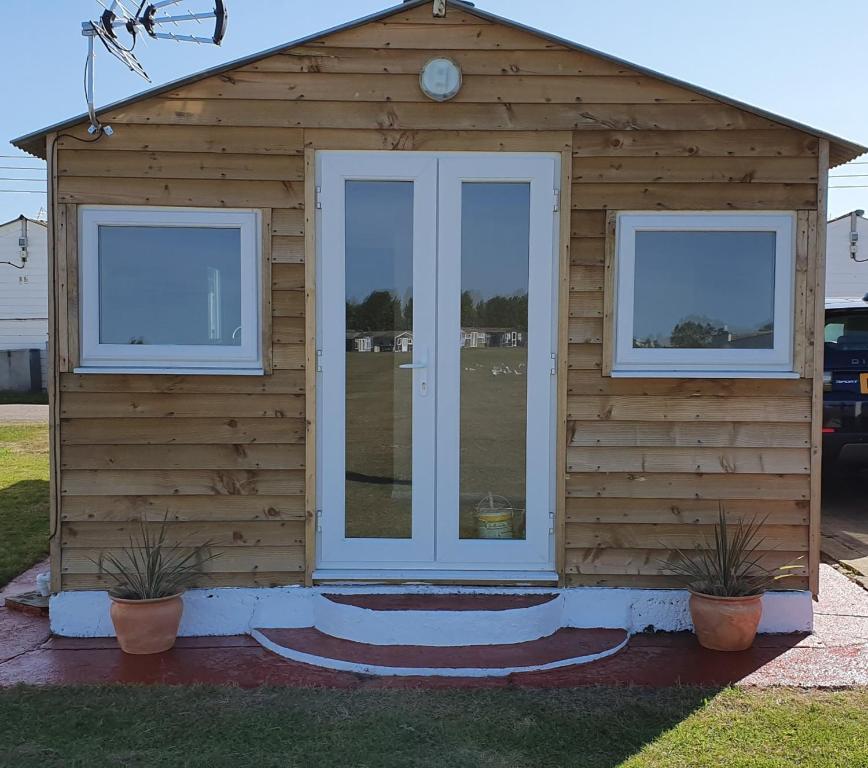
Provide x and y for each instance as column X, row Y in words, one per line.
column 834, row 331
column 495, row 231
column 848, row 331
column 379, row 338
column 704, row 290
column 169, row 285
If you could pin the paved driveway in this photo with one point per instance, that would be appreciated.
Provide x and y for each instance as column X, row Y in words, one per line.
column 23, row 414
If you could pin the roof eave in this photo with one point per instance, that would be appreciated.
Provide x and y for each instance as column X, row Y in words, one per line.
column 840, row 150
column 34, row 142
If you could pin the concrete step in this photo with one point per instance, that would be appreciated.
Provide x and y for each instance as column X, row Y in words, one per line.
column 438, row 619
column 563, row 648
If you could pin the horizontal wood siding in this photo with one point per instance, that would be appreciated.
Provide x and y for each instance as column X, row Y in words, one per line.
column 222, row 458
column 650, row 461
column 645, row 463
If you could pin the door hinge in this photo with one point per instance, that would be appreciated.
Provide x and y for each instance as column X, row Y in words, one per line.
column 557, row 200
column 319, row 361
column 319, row 521
column 318, row 198
column 551, row 522
column 554, row 369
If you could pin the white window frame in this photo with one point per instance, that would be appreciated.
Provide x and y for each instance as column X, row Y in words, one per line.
column 98, row 357
column 709, row 363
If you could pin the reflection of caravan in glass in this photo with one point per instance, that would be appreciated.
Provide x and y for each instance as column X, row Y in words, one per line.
column 385, row 341
column 491, row 337
column 404, row 342
column 359, row 342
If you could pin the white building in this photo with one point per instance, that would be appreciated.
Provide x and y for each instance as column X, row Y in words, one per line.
column 24, row 286
column 847, row 256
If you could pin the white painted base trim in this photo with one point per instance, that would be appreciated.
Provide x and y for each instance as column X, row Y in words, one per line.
column 376, row 669
column 235, row 611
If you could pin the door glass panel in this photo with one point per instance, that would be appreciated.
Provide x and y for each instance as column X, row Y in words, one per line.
column 379, row 338
column 495, row 230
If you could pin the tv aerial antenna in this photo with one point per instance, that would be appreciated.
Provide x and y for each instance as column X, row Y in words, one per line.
column 119, row 29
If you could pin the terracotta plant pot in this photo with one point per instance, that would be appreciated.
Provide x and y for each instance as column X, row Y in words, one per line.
column 725, row 623
column 147, row 626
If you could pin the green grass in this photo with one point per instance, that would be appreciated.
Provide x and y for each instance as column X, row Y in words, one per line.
column 515, row 728
column 27, row 398
column 23, row 498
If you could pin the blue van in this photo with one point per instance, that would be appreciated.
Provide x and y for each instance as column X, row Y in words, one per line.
column 845, row 382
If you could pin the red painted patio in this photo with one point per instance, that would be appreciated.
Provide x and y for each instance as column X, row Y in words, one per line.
column 836, row 655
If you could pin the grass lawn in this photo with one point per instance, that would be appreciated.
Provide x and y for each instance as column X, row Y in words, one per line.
column 591, row 728
column 23, row 497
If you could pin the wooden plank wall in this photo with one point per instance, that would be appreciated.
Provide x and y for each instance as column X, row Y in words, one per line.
column 222, row 456
column 645, row 461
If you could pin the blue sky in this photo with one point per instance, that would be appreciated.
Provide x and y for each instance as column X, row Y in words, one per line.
column 792, row 57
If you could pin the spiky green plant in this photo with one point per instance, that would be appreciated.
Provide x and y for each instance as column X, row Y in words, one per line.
column 730, row 566
column 150, row 567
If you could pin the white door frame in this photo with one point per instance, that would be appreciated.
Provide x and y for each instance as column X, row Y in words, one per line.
column 435, row 547
column 535, row 551
column 334, row 169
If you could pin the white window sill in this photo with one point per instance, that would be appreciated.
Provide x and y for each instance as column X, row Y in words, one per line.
column 173, row 371
column 678, row 374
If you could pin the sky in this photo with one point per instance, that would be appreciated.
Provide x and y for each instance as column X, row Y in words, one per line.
column 791, row 57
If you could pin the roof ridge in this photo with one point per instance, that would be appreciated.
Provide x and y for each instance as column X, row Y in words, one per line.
column 850, row 150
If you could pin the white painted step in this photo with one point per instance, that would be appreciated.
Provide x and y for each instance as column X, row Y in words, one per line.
column 438, row 619
column 564, row 648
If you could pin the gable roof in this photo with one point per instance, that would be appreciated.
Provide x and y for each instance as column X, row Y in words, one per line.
column 22, row 217
column 840, row 150
column 859, row 212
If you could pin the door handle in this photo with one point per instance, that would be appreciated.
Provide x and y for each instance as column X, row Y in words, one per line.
column 422, row 366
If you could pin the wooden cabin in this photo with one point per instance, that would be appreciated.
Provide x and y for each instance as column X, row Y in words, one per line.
column 658, row 248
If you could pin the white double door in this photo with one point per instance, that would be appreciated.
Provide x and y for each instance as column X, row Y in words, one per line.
column 436, row 307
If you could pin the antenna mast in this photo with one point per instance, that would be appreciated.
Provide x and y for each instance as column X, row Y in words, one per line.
column 117, row 19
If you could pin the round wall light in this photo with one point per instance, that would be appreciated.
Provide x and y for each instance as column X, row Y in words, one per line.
column 440, row 79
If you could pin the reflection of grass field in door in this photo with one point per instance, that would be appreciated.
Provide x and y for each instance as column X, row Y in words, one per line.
column 493, row 430
column 378, row 431
column 493, row 413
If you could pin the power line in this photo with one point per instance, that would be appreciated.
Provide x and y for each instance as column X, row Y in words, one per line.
column 19, row 178
column 22, row 157
column 23, row 191
column 21, row 168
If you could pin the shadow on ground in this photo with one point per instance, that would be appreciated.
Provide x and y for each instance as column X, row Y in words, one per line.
column 594, row 727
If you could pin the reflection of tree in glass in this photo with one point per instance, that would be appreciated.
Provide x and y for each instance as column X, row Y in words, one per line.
column 696, row 334
column 699, row 332
column 380, row 311
column 496, row 312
